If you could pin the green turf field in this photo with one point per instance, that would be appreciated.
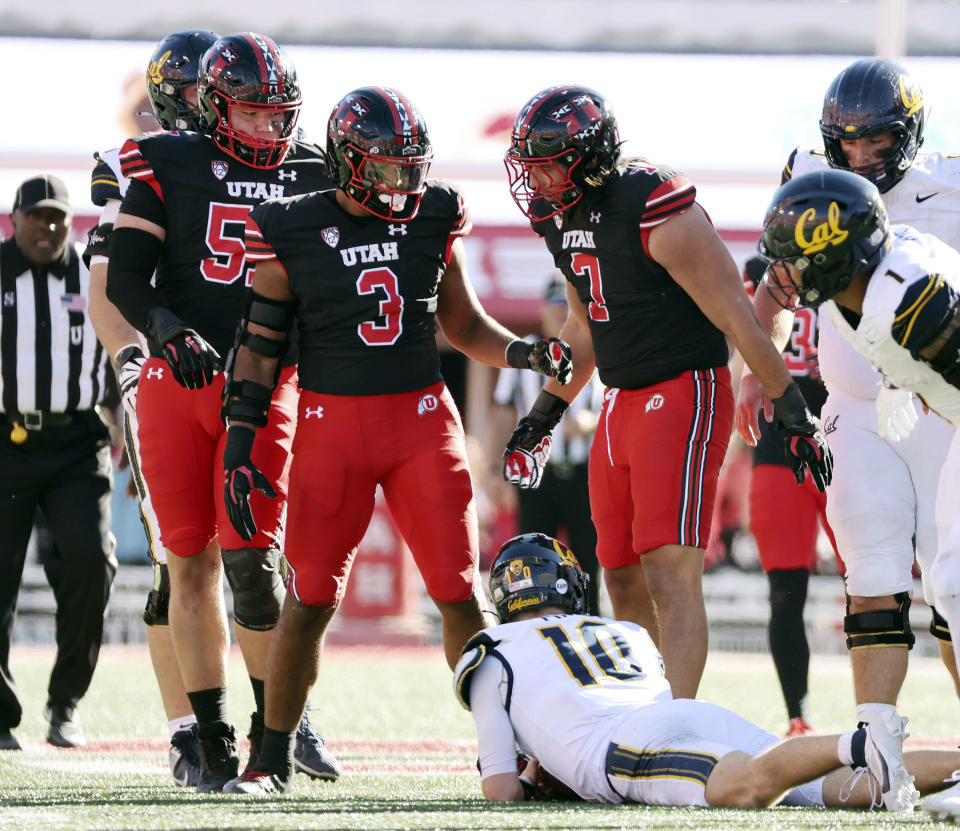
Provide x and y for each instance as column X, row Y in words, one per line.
column 406, row 748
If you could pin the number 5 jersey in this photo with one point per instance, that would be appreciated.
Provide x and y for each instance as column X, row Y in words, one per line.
column 204, row 198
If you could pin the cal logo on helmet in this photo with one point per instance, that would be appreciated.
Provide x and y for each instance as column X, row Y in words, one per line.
column 824, row 234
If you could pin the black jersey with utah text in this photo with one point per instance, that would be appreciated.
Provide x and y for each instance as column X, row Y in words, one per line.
column 367, row 287
column 645, row 328
column 206, row 197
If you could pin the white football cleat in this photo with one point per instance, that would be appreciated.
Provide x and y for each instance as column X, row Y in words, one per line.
column 884, row 752
column 944, row 806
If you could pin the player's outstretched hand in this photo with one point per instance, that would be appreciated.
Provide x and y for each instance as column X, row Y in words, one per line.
column 527, row 452
column 805, row 443
column 548, row 356
column 240, row 477
column 191, row 359
column 751, row 401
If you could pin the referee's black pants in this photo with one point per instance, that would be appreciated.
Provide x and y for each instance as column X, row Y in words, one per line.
column 563, row 500
column 66, row 472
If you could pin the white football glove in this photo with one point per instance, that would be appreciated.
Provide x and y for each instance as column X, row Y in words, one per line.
column 129, row 362
column 896, row 413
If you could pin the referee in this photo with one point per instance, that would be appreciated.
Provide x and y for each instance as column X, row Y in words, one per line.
column 54, row 450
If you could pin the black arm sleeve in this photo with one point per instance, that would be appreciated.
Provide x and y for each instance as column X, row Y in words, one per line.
column 134, row 255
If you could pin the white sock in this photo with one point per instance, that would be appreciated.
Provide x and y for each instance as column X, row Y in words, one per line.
column 181, row 723
column 874, row 711
column 846, row 752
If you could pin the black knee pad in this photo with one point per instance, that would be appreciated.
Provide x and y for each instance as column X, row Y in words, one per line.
column 880, row 627
column 257, row 588
column 939, row 627
column 158, row 601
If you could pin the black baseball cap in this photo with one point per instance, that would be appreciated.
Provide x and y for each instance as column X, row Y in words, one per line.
column 44, row 191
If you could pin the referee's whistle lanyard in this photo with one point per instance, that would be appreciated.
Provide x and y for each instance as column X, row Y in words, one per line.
column 611, row 397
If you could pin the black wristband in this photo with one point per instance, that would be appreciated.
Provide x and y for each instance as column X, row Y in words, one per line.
column 163, row 325
column 548, row 409
column 239, row 446
column 791, row 407
column 518, row 354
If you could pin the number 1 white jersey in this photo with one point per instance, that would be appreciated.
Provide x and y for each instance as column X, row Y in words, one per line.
column 912, row 258
column 926, row 198
column 567, row 682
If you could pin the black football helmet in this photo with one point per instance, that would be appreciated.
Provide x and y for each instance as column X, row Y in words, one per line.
column 563, row 141
column 534, row 570
column 247, row 74
column 171, row 71
column 870, row 97
column 380, row 152
column 830, row 225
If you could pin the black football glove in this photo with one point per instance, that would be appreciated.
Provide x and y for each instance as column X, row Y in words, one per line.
column 805, row 443
column 528, row 449
column 191, row 359
column 548, row 356
column 129, row 362
column 240, row 477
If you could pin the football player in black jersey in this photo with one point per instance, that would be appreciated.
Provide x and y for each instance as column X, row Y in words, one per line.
column 172, row 91
column 652, row 292
column 183, row 215
column 367, row 271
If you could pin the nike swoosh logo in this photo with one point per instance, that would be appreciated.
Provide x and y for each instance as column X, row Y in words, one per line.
column 925, row 198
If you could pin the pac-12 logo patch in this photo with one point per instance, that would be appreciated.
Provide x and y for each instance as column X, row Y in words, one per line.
column 220, row 168
column 331, row 236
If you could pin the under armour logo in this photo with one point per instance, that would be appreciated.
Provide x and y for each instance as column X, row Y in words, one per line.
column 397, row 229
column 155, row 372
column 9, row 298
column 427, row 403
column 292, row 175
column 595, row 217
column 655, row 403
column 317, row 413
column 830, row 425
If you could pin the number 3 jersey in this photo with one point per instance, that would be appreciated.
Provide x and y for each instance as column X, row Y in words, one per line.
column 566, row 682
column 367, row 287
column 645, row 327
column 204, row 198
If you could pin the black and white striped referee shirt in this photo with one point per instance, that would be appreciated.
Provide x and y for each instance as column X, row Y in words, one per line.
column 50, row 358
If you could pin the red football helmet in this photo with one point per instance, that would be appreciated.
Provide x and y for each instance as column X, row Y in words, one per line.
column 380, row 152
column 564, row 141
column 246, row 78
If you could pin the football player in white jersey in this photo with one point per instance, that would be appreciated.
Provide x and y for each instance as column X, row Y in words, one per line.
column 872, row 124
column 585, row 698
column 894, row 295
column 172, row 91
